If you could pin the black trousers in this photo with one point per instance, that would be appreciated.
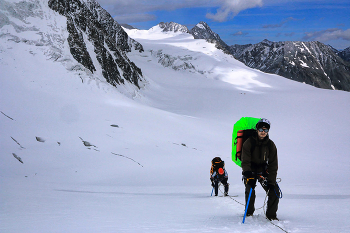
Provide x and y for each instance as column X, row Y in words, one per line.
column 216, row 185
column 272, row 200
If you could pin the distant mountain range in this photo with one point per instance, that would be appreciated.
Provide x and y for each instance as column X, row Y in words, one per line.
column 345, row 54
column 89, row 24
column 312, row 63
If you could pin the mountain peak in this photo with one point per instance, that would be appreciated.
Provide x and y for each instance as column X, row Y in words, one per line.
column 173, row 27
column 202, row 25
column 266, row 41
column 203, row 31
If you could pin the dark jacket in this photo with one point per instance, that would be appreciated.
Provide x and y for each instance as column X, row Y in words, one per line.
column 264, row 155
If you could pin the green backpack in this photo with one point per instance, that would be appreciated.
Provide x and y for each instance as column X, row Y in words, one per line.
column 242, row 130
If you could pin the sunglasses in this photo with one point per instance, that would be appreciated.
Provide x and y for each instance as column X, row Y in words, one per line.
column 265, row 130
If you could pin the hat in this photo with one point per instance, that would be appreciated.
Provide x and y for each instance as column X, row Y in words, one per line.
column 263, row 122
column 221, row 171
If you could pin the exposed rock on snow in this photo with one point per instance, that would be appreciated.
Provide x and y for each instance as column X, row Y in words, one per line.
column 127, row 158
column 40, row 139
column 176, row 63
column 173, row 27
column 7, row 116
column 87, row 144
column 17, row 157
column 17, row 143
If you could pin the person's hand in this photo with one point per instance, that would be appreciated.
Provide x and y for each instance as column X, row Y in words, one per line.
column 251, row 182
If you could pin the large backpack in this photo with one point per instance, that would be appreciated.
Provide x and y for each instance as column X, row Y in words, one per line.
column 216, row 163
column 242, row 130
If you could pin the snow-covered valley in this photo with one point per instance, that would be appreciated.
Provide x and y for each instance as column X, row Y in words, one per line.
column 100, row 159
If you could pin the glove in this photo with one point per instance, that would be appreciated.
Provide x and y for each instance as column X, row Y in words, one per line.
column 212, row 181
column 249, row 178
column 251, row 182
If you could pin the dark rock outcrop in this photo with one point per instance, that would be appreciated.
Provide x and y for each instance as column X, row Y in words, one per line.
column 173, row 27
column 88, row 22
column 344, row 54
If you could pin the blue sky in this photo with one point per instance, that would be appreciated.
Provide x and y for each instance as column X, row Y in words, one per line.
column 245, row 21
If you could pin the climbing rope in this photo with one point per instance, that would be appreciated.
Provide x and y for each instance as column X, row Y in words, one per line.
column 265, row 202
column 238, row 201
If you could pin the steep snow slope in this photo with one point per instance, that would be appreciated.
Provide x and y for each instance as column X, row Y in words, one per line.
column 95, row 160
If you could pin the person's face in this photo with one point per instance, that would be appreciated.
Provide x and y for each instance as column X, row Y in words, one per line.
column 262, row 132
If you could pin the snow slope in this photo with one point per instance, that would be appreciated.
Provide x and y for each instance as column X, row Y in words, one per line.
column 144, row 166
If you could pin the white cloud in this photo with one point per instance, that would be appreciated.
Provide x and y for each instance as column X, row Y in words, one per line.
column 230, row 8
column 329, row 34
column 226, row 8
column 143, row 6
column 130, row 11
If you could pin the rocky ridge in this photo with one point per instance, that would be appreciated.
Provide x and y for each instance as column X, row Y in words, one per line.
column 173, row 27
column 203, row 31
column 97, row 44
column 344, row 54
column 88, row 22
column 312, row 63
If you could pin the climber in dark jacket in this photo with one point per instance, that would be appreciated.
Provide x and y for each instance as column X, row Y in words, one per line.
column 219, row 176
column 259, row 162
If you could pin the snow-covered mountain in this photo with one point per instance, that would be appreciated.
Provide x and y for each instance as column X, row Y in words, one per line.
column 309, row 62
column 95, row 40
column 81, row 155
column 313, row 63
column 203, row 31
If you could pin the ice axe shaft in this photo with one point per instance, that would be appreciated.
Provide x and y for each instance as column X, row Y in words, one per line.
column 246, row 207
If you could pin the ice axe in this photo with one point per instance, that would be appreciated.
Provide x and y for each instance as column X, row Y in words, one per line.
column 246, row 207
